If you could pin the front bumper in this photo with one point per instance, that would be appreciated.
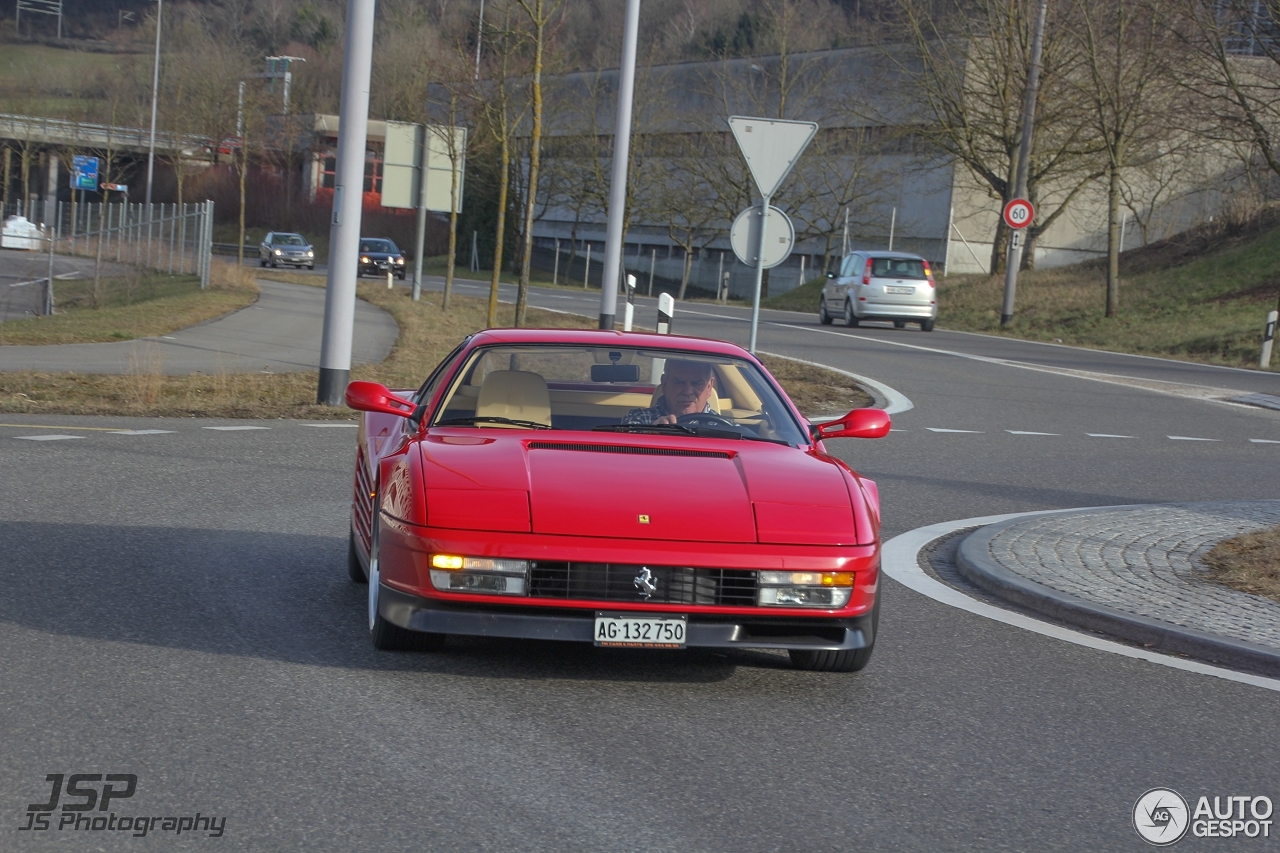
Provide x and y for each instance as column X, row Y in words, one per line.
column 704, row 630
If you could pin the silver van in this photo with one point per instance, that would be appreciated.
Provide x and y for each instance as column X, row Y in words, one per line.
column 892, row 286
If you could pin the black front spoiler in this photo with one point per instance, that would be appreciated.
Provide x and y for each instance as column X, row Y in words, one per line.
column 425, row 614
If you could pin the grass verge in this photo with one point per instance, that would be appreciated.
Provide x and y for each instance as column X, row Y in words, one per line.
column 1249, row 563
column 427, row 334
column 139, row 304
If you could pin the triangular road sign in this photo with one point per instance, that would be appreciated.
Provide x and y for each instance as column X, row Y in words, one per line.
column 771, row 147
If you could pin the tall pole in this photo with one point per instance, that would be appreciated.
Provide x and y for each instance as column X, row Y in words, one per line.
column 1014, row 258
column 621, row 158
column 155, row 94
column 344, row 233
column 755, row 299
column 479, row 37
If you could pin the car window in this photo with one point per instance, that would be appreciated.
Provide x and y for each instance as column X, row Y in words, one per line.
column 897, row 268
column 378, row 246
column 289, row 240
column 849, row 265
column 588, row 388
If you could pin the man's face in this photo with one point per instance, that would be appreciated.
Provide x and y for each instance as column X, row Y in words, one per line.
column 686, row 388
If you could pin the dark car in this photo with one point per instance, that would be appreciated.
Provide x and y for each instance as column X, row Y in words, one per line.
column 283, row 247
column 378, row 255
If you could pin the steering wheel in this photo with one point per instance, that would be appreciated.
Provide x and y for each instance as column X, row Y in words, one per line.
column 706, row 419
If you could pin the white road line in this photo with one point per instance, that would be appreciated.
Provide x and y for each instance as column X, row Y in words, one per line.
column 1105, row 435
column 1189, row 438
column 46, row 437
column 235, row 428
column 900, row 559
column 940, row 429
column 323, row 426
column 717, row 316
column 140, row 431
column 895, row 401
column 1024, row 432
column 1263, row 441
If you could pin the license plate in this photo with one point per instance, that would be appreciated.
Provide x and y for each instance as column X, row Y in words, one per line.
column 641, row 632
column 891, row 289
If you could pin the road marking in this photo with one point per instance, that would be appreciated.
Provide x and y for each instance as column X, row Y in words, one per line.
column 900, row 560
column 323, row 426
column 1105, row 435
column 1263, row 441
column 895, row 401
column 140, row 431
column 46, row 437
column 79, row 429
column 1189, row 438
column 1024, row 432
column 235, row 428
column 940, row 429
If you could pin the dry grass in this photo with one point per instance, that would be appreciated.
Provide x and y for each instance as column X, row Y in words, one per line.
column 133, row 305
column 427, row 334
column 1249, row 563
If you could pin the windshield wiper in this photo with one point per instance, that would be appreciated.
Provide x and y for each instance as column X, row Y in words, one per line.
column 749, row 437
column 489, row 419
column 655, row 429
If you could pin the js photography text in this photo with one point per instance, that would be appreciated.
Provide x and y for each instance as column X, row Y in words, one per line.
column 84, row 798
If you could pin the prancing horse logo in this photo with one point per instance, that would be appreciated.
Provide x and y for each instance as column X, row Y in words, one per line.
column 646, row 582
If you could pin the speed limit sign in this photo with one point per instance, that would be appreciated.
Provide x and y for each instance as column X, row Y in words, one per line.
column 1019, row 213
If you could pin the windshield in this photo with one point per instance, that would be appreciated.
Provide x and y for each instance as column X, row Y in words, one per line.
column 897, row 268
column 289, row 240
column 379, row 246
column 617, row 389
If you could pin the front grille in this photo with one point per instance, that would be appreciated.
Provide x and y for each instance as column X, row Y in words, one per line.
column 614, row 582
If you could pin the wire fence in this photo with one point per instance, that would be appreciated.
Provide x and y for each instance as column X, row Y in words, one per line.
column 170, row 238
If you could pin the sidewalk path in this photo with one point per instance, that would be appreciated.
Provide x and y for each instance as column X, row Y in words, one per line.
column 1133, row 572
column 278, row 333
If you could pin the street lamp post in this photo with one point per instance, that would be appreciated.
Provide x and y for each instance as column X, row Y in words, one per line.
column 155, row 94
column 618, row 182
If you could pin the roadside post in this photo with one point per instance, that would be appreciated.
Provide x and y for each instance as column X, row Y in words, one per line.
column 666, row 310
column 1017, row 214
column 1268, row 335
column 629, row 312
column 388, row 279
column 771, row 148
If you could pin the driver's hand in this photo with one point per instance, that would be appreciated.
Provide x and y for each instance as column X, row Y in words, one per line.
column 666, row 419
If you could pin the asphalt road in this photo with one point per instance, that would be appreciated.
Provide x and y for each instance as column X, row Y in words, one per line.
column 177, row 608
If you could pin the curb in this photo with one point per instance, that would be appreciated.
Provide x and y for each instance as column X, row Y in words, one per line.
column 974, row 562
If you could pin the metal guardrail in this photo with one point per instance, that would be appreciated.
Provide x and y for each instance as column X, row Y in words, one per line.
column 230, row 249
column 35, row 128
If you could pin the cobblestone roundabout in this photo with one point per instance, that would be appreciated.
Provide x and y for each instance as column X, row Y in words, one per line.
column 1145, row 560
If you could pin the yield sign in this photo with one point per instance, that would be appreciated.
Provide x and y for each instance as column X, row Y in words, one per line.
column 771, row 147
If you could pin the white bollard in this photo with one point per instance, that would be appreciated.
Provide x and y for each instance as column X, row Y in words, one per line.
column 388, row 279
column 629, row 312
column 1268, row 335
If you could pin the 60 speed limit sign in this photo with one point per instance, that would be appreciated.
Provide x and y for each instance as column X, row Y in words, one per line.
column 1019, row 213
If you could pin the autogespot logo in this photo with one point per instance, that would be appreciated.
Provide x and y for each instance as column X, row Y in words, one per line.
column 1160, row 816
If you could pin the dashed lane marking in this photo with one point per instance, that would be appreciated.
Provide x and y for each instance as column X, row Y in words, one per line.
column 1264, row 441
column 47, row 437
column 940, row 429
column 140, row 431
column 1025, row 432
column 323, row 426
column 1189, row 438
column 235, row 428
column 77, row 428
column 1105, row 435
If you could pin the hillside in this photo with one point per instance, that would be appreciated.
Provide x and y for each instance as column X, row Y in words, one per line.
column 1199, row 296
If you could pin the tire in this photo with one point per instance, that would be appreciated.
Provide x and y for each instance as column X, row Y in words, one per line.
column 846, row 660
column 311, row 266
column 401, row 276
column 385, row 635
column 261, row 262
column 849, row 319
column 926, row 325
column 823, row 317
column 354, row 569
column 273, row 264
column 899, row 324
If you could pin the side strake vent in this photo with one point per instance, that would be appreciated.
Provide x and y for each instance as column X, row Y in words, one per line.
column 623, row 448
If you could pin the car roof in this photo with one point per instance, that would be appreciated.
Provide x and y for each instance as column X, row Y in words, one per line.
column 285, row 234
column 611, row 337
column 874, row 253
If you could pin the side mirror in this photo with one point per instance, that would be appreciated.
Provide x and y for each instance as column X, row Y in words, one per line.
column 373, row 397
column 860, row 423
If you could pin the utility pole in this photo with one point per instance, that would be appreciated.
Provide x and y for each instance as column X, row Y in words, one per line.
column 155, row 94
column 1014, row 258
column 621, row 158
column 344, row 239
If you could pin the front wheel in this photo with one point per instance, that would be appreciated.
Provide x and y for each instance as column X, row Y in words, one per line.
column 354, row 569
column 926, row 325
column 311, row 266
column 899, row 324
column 823, row 317
column 385, row 635
column 850, row 319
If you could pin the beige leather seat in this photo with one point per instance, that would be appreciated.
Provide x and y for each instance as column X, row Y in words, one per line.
column 515, row 394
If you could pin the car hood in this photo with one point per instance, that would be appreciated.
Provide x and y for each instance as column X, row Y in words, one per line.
column 635, row 487
column 381, row 256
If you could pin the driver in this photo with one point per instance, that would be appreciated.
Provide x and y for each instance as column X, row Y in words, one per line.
column 686, row 388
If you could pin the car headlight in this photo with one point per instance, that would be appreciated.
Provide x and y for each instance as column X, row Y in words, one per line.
column 399, row 260
column 310, row 254
column 804, row 589
column 453, row 573
column 278, row 252
column 364, row 260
